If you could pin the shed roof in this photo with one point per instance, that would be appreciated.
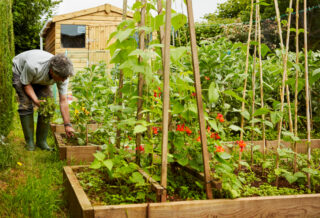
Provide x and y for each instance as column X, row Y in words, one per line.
column 106, row 7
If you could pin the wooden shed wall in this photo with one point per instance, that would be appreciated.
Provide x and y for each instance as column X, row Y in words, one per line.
column 49, row 45
column 99, row 26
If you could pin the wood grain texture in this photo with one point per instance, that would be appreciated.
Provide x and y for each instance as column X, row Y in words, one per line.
column 78, row 203
column 278, row 206
column 121, row 211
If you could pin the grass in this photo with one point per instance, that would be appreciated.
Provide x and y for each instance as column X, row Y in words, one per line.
column 31, row 183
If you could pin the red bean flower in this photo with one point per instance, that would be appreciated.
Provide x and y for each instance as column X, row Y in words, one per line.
column 220, row 118
column 140, row 148
column 155, row 93
column 155, row 130
column 198, row 139
column 219, row 148
column 241, row 144
column 207, row 78
column 215, row 136
column 188, row 131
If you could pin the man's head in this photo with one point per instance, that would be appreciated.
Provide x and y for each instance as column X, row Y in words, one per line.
column 61, row 67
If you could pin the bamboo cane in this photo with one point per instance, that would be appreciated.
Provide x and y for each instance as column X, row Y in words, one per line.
column 118, row 136
column 254, row 83
column 261, row 81
column 197, row 83
column 246, row 79
column 165, row 114
column 141, row 81
column 307, row 87
column 296, row 88
column 284, row 76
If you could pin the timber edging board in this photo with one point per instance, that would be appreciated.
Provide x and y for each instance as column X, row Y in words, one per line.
column 74, row 154
column 79, row 204
column 307, row 205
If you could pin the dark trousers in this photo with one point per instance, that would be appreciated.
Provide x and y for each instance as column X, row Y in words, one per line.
column 25, row 103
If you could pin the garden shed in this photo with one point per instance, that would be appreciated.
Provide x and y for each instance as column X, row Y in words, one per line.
column 82, row 35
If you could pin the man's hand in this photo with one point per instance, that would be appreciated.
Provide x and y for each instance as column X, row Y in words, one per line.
column 37, row 102
column 69, row 131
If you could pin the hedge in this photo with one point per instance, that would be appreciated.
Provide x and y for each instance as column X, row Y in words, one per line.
column 6, row 55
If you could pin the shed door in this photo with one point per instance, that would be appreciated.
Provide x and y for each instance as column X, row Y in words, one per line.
column 97, row 43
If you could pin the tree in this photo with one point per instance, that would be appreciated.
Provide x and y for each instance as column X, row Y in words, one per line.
column 29, row 17
column 6, row 54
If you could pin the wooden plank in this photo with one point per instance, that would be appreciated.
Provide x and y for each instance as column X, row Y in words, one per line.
column 79, row 204
column 98, row 18
column 197, row 84
column 121, row 211
column 80, row 154
column 276, row 206
column 155, row 185
column 78, row 13
column 89, row 22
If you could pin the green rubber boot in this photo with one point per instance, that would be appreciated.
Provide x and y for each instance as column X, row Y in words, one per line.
column 28, row 130
column 42, row 133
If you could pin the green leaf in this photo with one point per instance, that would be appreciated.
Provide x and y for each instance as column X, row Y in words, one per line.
column 139, row 129
column 243, row 163
column 183, row 161
column 236, row 128
column 268, row 123
column 95, row 164
column 300, row 175
column 213, row 93
column 99, row 156
column 224, row 155
column 177, row 108
column 261, row 111
column 245, row 114
column 108, row 164
column 177, row 53
column 310, row 171
column 122, row 35
column 178, row 20
column 213, row 124
column 137, row 178
column 290, row 178
column 233, row 94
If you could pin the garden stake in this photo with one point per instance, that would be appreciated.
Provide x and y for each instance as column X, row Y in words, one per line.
column 165, row 113
column 118, row 137
column 261, row 82
column 246, row 79
column 197, row 83
column 161, row 32
column 284, row 77
column 307, row 87
column 296, row 88
column 254, row 84
column 141, row 80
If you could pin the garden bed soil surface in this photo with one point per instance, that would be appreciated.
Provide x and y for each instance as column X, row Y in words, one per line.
column 306, row 205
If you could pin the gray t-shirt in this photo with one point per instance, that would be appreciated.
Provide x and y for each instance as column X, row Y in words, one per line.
column 33, row 68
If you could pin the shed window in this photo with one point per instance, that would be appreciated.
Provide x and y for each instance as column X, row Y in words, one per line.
column 73, row 36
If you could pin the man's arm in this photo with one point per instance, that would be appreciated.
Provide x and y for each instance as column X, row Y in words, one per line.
column 64, row 109
column 30, row 92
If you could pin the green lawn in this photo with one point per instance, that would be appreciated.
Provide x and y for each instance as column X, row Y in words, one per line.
column 31, row 183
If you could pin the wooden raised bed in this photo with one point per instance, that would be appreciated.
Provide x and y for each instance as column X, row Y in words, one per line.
column 80, row 206
column 306, row 205
column 74, row 154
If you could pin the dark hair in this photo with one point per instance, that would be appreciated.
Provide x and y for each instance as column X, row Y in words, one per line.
column 61, row 65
